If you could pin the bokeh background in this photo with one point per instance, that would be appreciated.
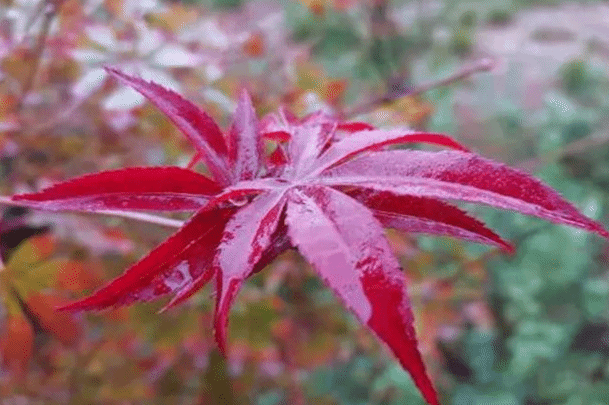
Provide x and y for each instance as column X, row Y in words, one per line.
column 526, row 329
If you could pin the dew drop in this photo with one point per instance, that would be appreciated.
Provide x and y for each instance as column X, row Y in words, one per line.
column 238, row 201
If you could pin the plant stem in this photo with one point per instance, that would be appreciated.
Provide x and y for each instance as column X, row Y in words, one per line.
column 138, row 216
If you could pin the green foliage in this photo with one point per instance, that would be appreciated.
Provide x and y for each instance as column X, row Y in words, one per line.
column 575, row 76
column 499, row 17
column 227, row 4
column 462, row 40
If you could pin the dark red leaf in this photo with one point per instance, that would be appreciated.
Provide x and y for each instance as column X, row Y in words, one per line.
column 277, row 158
column 194, row 160
column 427, row 215
column 347, row 247
column 363, row 141
column 355, row 126
column 245, row 143
column 192, row 288
column 171, row 267
column 279, row 244
column 308, row 136
column 138, row 188
column 337, row 203
column 277, row 136
column 200, row 129
column 246, row 237
column 459, row 176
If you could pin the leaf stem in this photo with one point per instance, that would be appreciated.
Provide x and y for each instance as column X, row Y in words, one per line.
column 138, row 216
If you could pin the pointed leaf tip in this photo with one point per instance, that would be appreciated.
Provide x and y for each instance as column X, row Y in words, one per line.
column 224, row 300
column 454, row 175
column 355, row 261
column 134, row 188
column 368, row 140
column 393, row 320
column 200, row 129
column 247, row 239
column 178, row 265
column 245, row 140
column 426, row 215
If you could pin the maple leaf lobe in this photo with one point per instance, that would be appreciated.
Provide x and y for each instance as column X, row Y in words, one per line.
column 327, row 189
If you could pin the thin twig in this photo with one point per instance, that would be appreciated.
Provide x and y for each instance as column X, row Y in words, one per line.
column 49, row 13
column 57, row 119
column 138, row 216
column 582, row 145
column 481, row 65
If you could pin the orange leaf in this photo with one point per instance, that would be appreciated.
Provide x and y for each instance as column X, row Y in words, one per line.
column 61, row 325
column 43, row 245
column 317, row 7
column 16, row 345
column 254, row 46
column 116, row 314
column 73, row 276
column 335, row 90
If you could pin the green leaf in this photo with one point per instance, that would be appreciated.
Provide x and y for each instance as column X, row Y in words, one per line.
column 30, row 252
column 480, row 352
column 596, row 297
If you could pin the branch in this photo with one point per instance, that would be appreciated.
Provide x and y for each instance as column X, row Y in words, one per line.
column 138, row 216
column 481, row 65
column 49, row 12
column 572, row 148
column 55, row 120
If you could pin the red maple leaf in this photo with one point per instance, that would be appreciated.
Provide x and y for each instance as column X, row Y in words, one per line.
column 327, row 190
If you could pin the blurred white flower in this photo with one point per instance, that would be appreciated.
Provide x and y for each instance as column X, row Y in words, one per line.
column 148, row 55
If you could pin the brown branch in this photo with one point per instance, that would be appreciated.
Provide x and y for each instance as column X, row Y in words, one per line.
column 50, row 8
column 571, row 148
column 481, row 65
column 54, row 121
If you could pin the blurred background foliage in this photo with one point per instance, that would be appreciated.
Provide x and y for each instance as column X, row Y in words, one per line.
column 527, row 329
